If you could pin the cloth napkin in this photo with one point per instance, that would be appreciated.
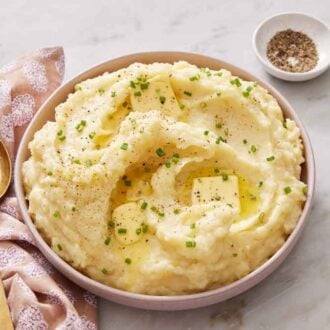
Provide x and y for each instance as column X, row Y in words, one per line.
column 38, row 296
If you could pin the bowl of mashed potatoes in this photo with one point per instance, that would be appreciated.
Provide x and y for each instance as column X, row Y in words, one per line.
column 165, row 180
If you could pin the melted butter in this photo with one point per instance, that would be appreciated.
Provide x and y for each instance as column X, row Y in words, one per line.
column 138, row 253
column 249, row 194
column 110, row 125
column 133, row 186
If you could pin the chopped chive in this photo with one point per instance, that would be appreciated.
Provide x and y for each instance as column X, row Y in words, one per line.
column 245, row 141
column 206, row 132
column 193, row 226
column 73, row 208
column 190, row 244
column 162, row 99
column 91, row 135
column 253, row 148
column 153, row 208
column 218, row 74
column 49, row 173
column 181, row 106
column 104, row 271
column 187, row 93
column 137, row 93
column 271, row 158
column 81, row 125
column 62, row 138
column 111, row 224
column 220, row 139
column 56, row 214
column 128, row 183
column 122, row 230
column 218, row 125
column 144, row 85
column 124, row 146
column 230, row 205
column 176, row 211
column 59, row 246
column 128, row 261
column 144, row 228
column 113, row 94
column 284, row 124
column 107, row 241
column 235, row 255
column 217, row 198
column 218, row 93
column 138, row 231
column 132, row 84
column 60, row 132
column 195, row 78
column 88, row 163
column 225, row 177
column 144, row 205
column 305, row 190
column 101, row 91
column 246, row 93
column 260, row 184
column 77, row 161
column 236, row 82
column 287, row 190
column 168, row 164
column 161, row 214
column 160, row 152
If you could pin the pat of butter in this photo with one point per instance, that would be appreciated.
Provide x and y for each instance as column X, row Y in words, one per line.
column 158, row 96
column 222, row 189
column 128, row 219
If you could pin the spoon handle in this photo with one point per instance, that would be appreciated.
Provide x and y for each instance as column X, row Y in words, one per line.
column 5, row 319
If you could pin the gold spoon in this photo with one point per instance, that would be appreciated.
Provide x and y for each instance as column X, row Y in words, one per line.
column 5, row 169
column 5, row 319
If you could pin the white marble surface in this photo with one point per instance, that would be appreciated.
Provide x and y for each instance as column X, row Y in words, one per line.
column 297, row 295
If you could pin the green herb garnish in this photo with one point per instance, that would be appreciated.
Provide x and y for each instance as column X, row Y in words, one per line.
column 236, row 82
column 270, row 159
column 124, row 146
column 287, row 190
column 162, row 99
column 144, row 205
column 107, row 241
column 160, row 152
column 190, row 244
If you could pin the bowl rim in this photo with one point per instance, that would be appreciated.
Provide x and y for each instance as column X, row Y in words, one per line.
column 272, row 67
column 178, row 302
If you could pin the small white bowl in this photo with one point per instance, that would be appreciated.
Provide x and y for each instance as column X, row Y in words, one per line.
column 317, row 30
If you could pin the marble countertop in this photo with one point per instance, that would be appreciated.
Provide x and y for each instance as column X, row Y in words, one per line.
column 297, row 295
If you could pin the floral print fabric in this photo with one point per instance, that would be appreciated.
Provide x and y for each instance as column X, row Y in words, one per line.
column 38, row 296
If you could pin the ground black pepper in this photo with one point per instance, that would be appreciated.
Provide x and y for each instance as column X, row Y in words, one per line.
column 292, row 51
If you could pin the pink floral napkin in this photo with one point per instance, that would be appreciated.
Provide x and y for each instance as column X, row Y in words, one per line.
column 38, row 296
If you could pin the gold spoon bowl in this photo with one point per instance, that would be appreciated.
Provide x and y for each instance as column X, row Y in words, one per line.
column 5, row 169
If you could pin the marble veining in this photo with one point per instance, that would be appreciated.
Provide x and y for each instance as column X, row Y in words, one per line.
column 297, row 295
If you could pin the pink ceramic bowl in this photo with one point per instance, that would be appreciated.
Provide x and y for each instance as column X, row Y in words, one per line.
column 46, row 113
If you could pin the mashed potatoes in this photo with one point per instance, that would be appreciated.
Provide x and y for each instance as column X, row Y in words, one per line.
column 166, row 179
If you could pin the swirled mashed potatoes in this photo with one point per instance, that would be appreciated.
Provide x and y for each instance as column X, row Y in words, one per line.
column 166, row 179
